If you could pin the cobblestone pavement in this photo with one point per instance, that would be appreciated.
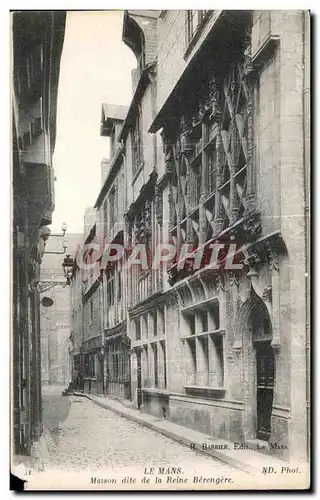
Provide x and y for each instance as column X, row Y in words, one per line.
column 82, row 435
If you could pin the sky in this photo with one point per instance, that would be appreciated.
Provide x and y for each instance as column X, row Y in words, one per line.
column 95, row 68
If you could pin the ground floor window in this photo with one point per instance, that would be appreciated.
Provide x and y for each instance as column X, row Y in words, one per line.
column 154, row 365
column 153, row 347
column 203, row 343
column 117, row 366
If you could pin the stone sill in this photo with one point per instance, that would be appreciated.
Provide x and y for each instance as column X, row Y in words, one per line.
column 204, row 390
column 160, row 392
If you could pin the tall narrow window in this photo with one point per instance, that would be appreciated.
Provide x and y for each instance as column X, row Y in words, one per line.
column 91, row 311
column 155, row 324
column 191, row 322
column 138, row 329
column 194, row 20
column 145, row 325
column 162, row 321
column 217, row 369
column 137, row 154
column 164, row 357
column 146, row 366
column 155, row 364
column 110, row 292
column 105, row 217
column 113, row 207
column 119, row 285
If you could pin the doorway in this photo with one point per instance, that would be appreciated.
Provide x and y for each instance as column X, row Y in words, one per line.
column 265, row 387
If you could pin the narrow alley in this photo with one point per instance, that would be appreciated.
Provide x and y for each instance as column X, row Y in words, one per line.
column 81, row 435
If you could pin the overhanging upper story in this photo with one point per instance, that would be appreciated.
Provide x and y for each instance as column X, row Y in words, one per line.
column 37, row 40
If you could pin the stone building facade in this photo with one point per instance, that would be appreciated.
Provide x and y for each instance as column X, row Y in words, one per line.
column 110, row 206
column 55, row 320
column 215, row 151
column 37, row 40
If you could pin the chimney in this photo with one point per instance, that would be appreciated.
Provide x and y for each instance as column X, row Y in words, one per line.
column 89, row 220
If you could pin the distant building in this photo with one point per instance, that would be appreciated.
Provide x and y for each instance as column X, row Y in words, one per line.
column 55, row 320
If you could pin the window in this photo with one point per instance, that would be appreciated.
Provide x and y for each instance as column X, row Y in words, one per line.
column 89, row 365
column 218, row 141
column 145, row 322
column 112, row 205
column 110, row 291
column 26, row 138
column 217, row 371
column 115, row 364
column 36, row 128
column 155, row 324
column 105, row 216
column 145, row 366
column 191, row 358
column 137, row 153
column 138, row 329
column 203, row 346
column 91, row 312
column 164, row 358
column 203, row 317
column 190, row 320
column 155, row 364
column 194, row 20
column 119, row 285
column 162, row 321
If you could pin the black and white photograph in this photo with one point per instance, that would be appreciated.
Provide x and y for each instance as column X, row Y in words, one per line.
column 160, row 253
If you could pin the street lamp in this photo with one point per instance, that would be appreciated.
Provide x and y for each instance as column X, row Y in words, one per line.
column 68, row 265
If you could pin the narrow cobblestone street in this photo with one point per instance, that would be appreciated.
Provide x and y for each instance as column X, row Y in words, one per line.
column 81, row 435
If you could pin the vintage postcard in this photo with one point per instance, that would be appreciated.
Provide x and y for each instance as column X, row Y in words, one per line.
column 160, row 249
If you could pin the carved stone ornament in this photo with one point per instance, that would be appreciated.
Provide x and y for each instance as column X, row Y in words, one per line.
column 215, row 99
column 234, row 279
column 168, row 153
column 185, row 133
column 272, row 258
column 252, row 260
column 179, row 298
column 159, row 205
column 147, row 220
column 218, row 281
column 248, row 67
column 267, row 294
column 152, row 74
column 136, row 229
column 230, row 356
column 252, row 226
column 240, row 301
